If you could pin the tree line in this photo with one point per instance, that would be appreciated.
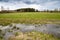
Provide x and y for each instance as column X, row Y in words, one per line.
column 26, row 10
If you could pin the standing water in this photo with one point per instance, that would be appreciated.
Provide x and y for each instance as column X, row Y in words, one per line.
column 9, row 30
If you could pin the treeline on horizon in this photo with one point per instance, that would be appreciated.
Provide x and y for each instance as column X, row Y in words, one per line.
column 28, row 10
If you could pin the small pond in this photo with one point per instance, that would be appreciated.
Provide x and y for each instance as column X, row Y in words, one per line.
column 9, row 30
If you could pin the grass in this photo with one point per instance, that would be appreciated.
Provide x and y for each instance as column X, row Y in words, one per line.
column 33, row 36
column 29, row 18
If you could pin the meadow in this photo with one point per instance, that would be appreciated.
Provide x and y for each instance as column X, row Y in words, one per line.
column 30, row 18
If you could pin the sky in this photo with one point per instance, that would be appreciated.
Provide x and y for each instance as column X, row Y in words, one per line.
column 37, row 4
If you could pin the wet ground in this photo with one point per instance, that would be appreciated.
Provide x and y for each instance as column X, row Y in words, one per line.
column 9, row 30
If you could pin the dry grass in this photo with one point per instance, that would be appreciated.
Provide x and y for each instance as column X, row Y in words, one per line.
column 33, row 36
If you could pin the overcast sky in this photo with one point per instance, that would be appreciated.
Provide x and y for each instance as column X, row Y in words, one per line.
column 37, row 4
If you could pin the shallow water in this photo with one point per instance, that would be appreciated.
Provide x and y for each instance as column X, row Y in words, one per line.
column 45, row 28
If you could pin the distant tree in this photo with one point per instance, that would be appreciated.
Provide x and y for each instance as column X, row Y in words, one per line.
column 2, row 8
column 26, row 10
column 55, row 9
column 58, row 9
column 8, row 9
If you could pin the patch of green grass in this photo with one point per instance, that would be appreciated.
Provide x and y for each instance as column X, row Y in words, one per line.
column 1, row 37
column 30, row 18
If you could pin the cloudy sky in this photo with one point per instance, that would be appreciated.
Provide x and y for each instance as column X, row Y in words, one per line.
column 37, row 4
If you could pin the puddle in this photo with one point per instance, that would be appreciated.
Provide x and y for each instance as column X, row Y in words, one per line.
column 9, row 30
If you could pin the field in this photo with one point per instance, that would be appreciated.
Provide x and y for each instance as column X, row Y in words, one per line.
column 30, row 18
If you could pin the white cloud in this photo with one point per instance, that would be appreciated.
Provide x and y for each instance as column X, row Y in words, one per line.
column 51, row 3
column 21, row 4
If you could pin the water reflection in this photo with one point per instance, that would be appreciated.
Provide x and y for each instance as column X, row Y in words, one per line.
column 9, row 30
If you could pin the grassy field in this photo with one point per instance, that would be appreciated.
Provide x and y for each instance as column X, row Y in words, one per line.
column 29, row 18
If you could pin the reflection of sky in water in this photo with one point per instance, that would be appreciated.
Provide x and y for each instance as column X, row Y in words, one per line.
column 45, row 28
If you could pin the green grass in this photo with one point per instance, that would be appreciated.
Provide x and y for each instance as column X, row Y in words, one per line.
column 29, row 18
